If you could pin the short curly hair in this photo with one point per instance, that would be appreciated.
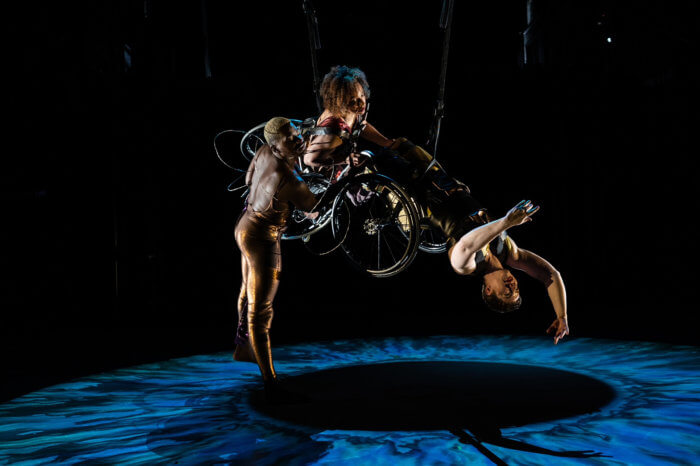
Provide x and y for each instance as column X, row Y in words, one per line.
column 338, row 84
column 496, row 304
column 273, row 129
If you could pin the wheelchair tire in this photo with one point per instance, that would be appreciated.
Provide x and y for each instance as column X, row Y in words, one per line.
column 432, row 240
column 380, row 225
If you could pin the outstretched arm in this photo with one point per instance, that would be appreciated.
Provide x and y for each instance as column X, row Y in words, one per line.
column 372, row 134
column 538, row 268
column 463, row 254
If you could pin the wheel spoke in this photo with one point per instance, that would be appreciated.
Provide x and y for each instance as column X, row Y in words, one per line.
column 379, row 249
column 386, row 213
column 398, row 238
column 370, row 208
column 391, row 253
column 370, row 250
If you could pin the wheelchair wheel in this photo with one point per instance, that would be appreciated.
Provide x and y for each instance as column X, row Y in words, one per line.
column 318, row 237
column 432, row 240
column 299, row 227
column 251, row 141
column 379, row 223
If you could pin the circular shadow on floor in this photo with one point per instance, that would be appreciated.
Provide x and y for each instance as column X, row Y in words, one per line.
column 482, row 397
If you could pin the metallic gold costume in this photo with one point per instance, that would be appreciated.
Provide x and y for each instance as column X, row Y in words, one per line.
column 273, row 185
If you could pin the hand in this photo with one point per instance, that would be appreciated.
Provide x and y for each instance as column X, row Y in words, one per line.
column 311, row 215
column 356, row 159
column 559, row 328
column 521, row 213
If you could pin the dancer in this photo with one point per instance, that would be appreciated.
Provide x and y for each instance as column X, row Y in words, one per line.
column 480, row 247
column 477, row 246
column 345, row 94
column 273, row 185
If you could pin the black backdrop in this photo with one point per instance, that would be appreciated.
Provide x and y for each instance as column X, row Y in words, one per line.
column 118, row 231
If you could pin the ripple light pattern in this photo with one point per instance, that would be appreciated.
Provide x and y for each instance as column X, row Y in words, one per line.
column 196, row 410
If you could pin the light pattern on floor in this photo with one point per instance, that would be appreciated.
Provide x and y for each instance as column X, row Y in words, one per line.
column 197, row 409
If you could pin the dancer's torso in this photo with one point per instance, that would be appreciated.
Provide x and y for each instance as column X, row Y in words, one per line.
column 500, row 247
column 327, row 129
column 264, row 204
column 460, row 213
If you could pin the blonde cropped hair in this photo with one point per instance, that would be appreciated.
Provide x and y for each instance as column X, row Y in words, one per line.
column 273, row 129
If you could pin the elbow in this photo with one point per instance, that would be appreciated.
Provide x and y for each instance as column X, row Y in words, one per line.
column 306, row 205
column 553, row 277
column 310, row 207
column 313, row 160
column 309, row 203
column 555, row 274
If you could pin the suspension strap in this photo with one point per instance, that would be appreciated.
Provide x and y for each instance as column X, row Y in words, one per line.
column 439, row 112
column 314, row 44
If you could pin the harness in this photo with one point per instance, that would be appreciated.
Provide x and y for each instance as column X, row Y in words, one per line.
column 348, row 135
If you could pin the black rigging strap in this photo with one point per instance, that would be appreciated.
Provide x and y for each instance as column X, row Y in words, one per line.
column 439, row 112
column 314, row 44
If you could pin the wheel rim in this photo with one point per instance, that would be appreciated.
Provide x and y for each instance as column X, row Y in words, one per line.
column 432, row 240
column 382, row 227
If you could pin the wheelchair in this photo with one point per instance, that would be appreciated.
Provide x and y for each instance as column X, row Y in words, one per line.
column 378, row 223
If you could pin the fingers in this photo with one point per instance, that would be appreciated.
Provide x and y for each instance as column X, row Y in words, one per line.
column 559, row 331
column 560, row 334
column 527, row 207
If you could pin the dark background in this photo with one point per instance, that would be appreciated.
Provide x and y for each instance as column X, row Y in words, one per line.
column 117, row 242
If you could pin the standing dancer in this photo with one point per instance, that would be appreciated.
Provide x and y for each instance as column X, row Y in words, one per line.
column 273, row 184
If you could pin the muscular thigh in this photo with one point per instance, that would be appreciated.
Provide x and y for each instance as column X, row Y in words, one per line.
column 260, row 246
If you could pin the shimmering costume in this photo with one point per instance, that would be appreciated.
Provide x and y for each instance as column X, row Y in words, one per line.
column 330, row 141
column 273, row 185
column 451, row 207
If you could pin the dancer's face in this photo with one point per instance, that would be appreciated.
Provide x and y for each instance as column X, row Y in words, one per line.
column 290, row 145
column 503, row 284
column 357, row 101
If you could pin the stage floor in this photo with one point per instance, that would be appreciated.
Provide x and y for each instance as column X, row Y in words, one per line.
column 438, row 400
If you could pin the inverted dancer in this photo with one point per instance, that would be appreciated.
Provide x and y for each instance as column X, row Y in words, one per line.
column 477, row 246
column 480, row 247
column 273, row 185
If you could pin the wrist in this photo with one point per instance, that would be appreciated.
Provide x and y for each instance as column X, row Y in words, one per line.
column 505, row 223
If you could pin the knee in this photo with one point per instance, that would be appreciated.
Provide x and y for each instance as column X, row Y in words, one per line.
column 260, row 315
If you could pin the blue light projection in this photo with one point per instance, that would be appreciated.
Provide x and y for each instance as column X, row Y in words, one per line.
column 203, row 409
